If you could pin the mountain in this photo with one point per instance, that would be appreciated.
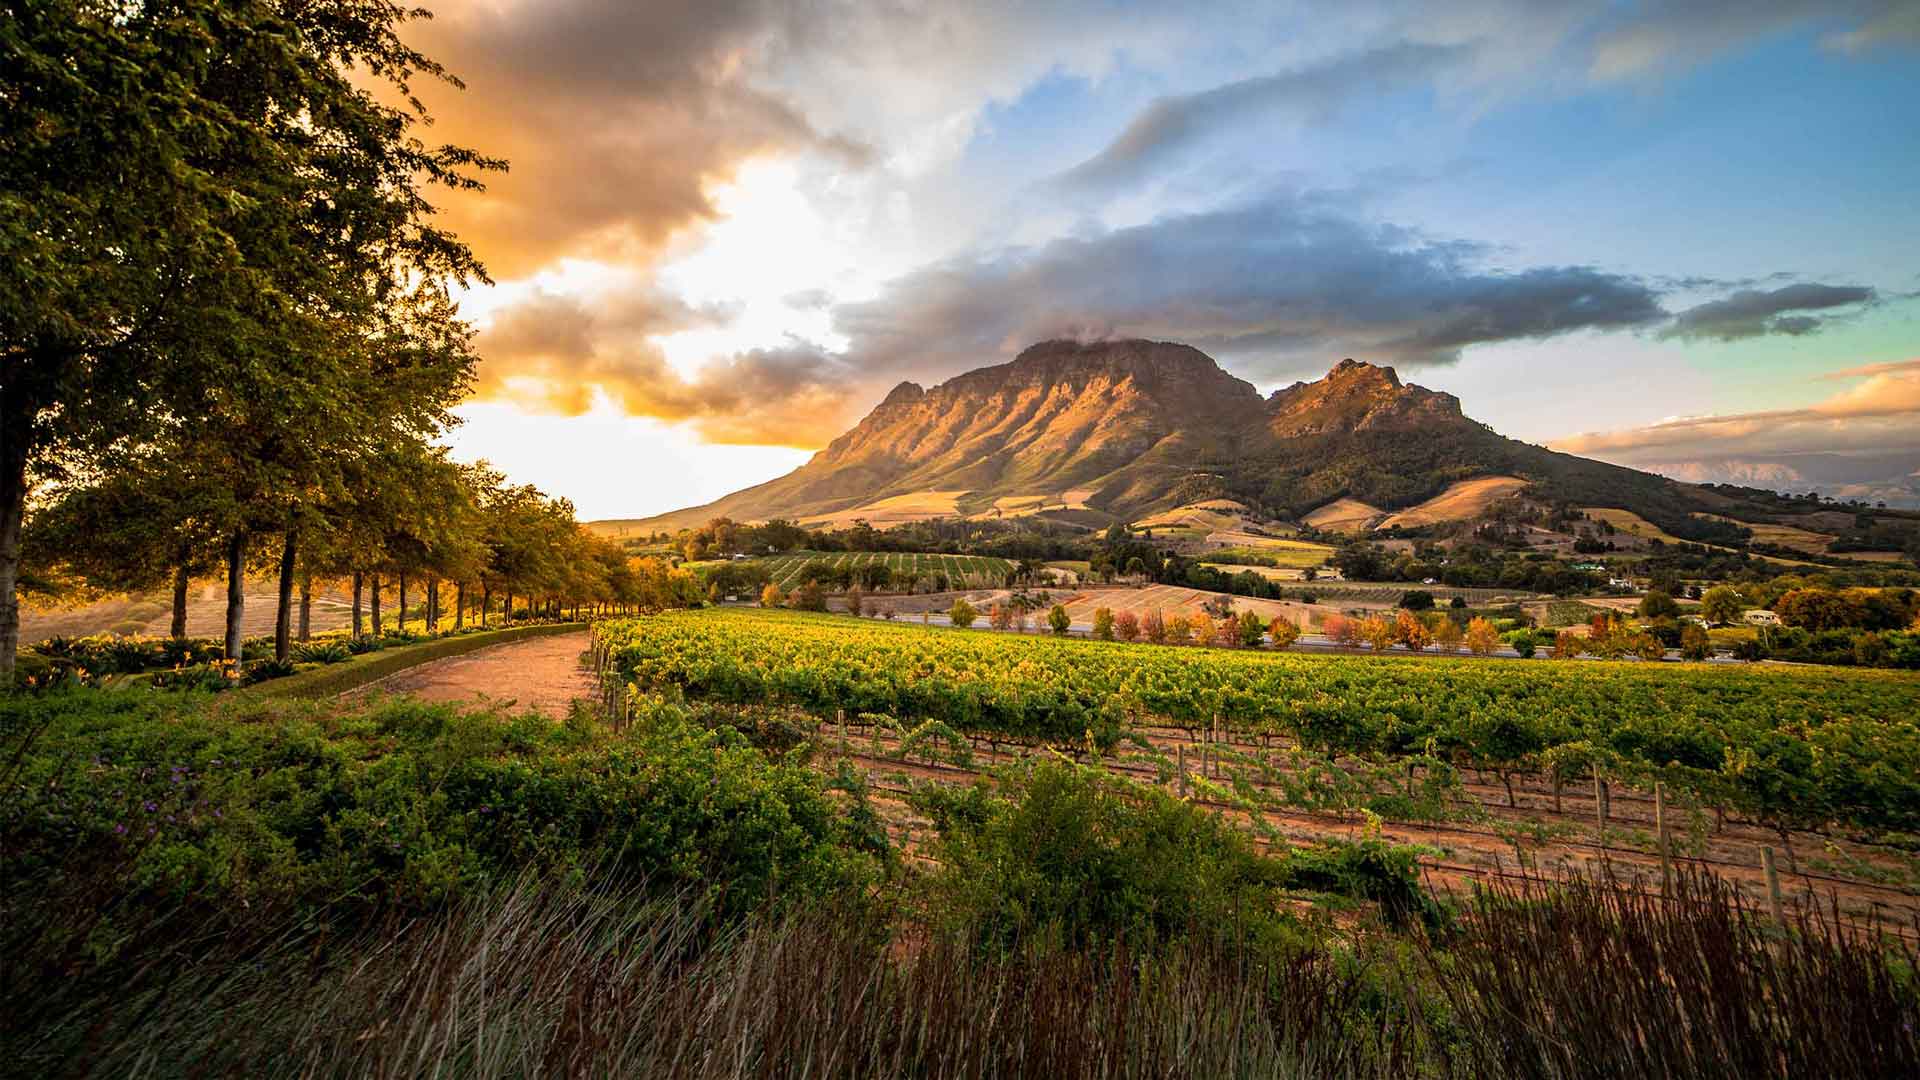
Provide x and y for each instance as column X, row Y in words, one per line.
column 1118, row 430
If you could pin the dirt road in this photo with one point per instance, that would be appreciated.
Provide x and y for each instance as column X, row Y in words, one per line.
column 542, row 674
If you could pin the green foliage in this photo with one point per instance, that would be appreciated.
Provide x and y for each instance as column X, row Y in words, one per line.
column 1058, row 621
column 403, row 803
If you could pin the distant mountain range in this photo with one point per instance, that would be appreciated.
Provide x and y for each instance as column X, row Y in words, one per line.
column 1119, row 430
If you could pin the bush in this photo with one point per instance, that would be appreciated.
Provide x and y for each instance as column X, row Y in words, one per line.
column 1059, row 621
column 1417, row 600
column 243, row 799
column 962, row 614
column 324, row 652
column 1103, row 623
column 1283, row 631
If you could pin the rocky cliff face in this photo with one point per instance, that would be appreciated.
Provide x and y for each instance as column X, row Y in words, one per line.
column 1130, row 421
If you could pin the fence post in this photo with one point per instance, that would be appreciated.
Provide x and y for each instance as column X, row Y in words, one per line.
column 1599, row 809
column 1773, row 885
column 1660, row 830
column 1182, row 782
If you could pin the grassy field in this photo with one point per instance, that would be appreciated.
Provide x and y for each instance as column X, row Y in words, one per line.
column 1345, row 515
column 963, row 571
column 1466, row 499
column 1287, row 554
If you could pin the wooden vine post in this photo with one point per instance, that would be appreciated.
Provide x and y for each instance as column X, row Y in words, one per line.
column 1660, row 831
column 1773, row 885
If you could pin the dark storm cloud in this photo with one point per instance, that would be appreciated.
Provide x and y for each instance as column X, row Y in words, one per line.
column 1753, row 312
column 1275, row 285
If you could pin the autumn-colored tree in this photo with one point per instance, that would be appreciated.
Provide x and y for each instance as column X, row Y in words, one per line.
column 1482, row 638
column 1648, row 647
column 1378, row 632
column 1000, row 616
column 1410, row 630
column 1447, row 635
column 1568, row 645
column 1126, row 626
column 1103, row 623
column 1205, row 630
column 1179, row 631
column 1819, row 609
column 1341, row 629
column 1154, row 626
column 1283, row 631
column 770, row 596
column 1694, row 642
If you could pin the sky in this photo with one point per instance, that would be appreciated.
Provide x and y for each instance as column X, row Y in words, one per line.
column 1679, row 236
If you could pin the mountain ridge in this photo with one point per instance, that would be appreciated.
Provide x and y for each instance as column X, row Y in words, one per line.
column 1134, row 427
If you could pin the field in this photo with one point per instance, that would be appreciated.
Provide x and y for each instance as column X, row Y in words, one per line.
column 151, row 614
column 963, row 571
column 893, row 510
column 1168, row 599
column 1345, row 515
column 1786, row 536
column 1466, row 499
column 1286, row 554
column 1478, row 761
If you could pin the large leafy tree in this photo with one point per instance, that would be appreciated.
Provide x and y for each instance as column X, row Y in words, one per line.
column 200, row 198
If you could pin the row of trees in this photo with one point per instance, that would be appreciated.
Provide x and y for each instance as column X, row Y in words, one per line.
column 227, row 331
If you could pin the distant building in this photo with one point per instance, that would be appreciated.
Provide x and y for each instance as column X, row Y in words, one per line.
column 1620, row 583
column 1761, row 617
column 1588, row 567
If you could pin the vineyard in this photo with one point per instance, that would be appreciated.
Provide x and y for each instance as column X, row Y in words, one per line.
column 961, row 571
column 1438, row 747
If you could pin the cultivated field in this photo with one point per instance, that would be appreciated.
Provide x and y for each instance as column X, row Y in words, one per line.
column 894, row 510
column 1499, row 769
column 962, row 571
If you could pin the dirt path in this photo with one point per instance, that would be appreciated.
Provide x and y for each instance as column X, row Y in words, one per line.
column 542, row 674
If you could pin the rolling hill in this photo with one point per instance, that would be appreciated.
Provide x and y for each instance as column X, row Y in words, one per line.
column 1125, row 430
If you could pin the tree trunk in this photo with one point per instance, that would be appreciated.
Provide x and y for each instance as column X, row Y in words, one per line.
column 403, row 603
column 506, row 608
column 306, row 603
column 486, row 603
column 236, row 593
column 15, row 418
column 460, row 605
column 359, row 585
column 283, row 613
column 178, row 628
column 376, row 604
column 433, row 604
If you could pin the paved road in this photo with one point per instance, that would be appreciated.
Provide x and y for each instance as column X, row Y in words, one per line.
column 543, row 674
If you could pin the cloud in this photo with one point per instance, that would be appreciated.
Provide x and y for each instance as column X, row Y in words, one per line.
column 1752, row 313
column 562, row 354
column 1313, row 93
column 1875, row 369
column 1278, row 285
column 1659, row 37
column 1879, row 415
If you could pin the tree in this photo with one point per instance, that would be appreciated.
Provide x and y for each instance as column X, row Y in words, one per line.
column 856, row 602
column 1417, row 600
column 1178, row 630
column 1283, row 631
column 1000, row 616
column 1154, row 626
column 1648, row 647
column 1721, row 605
column 1568, row 645
column 1524, row 644
column 770, row 596
column 1447, row 635
column 1819, row 609
column 1058, row 621
column 1410, row 630
column 1103, row 623
column 278, row 228
column 1378, row 632
column 1252, row 630
column 1658, row 605
column 810, row 597
column 1126, row 626
column 962, row 614
column 1482, row 638
column 1694, row 642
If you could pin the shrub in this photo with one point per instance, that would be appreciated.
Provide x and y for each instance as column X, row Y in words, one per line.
column 1523, row 643
column 962, row 614
column 1694, row 643
column 1416, row 600
column 1154, row 626
column 1103, row 623
column 1127, row 626
column 1058, row 621
column 1283, row 631
column 856, row 602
